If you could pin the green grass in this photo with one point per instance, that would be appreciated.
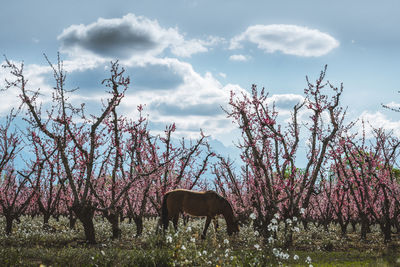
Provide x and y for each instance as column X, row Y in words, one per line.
column 30, row 245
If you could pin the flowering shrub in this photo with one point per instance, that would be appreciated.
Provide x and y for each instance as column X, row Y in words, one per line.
column 61, row 245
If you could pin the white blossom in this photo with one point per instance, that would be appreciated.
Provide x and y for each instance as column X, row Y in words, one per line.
column 272, row 227
column 271, row 240
column 169, row 239
column 253, row 216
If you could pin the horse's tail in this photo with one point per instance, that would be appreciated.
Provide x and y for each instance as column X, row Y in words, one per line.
column 164, row 212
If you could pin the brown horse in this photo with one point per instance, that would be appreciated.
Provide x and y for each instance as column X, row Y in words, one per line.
column 207, row 203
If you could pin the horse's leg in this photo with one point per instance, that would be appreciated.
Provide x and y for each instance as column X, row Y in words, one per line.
column 215, row 221
column 208, row 220
column 160, row 226
column 175, row 221
column 185, row 219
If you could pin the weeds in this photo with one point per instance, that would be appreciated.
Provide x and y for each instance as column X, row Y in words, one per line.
column 31, row 245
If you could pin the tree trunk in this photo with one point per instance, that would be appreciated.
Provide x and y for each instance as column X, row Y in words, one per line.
column 85, row 213
column 305, row 224
column 72, row 220
column 326, row 226
column 261, row 225
column 364, row 228
column 88, row 227
column 343, row 227
column 9, row 222
column 396, row 224
column 46, row 217
column 139, row 225
column 353, row 224
column 288, row 238
column 113, row 219
column 387, row 231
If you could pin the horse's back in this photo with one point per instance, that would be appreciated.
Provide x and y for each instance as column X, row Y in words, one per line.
column 193, row 202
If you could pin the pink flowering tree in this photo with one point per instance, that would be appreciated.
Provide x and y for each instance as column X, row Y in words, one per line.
column 276, row 183
column 335, row 197
column 143, row 151
column 80, row 140
column 128, row 171
column 15, row 194
column 235, row 189
column 47, row 181
column 367, row 169
column 186, row 163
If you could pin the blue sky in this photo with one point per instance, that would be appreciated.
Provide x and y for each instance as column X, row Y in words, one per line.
column 184, row 56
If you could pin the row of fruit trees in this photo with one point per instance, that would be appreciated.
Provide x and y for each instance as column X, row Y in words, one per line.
column 82, row 165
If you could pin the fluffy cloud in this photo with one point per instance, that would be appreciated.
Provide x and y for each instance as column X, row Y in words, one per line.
column 377, row 120
column 129, row 36
column 36, row 77
column 192, row 104
column 183, row 48
column 170, row 89
column 285, row 101
column 238, row 58
column 172, row 93
column 288, row 39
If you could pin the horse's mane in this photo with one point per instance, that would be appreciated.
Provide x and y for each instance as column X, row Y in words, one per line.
column 225, row 201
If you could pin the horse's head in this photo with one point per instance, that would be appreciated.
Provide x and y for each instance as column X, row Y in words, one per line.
column 232, row 223
column 233, row 227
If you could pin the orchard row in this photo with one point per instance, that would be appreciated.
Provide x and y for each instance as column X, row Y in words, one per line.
column 82, row 165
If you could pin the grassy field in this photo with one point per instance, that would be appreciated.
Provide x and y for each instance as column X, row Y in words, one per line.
column 30, row 245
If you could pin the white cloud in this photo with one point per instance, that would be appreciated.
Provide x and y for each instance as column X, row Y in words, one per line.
column 377, row 120
column 129, row 36
column 35, row 76
column 238, row 58
column 286, row 101
column 288, row 39
column 193, row 104
column 183, row 48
